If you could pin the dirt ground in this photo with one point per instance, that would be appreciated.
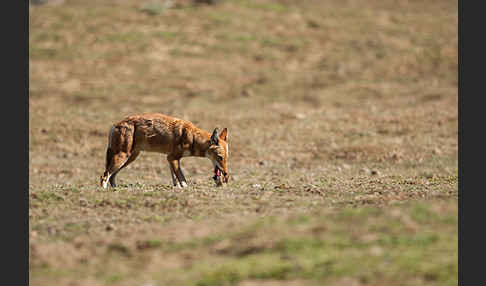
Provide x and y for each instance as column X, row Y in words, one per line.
column 343, row 125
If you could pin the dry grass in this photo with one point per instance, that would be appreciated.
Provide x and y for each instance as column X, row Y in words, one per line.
column 342, row 123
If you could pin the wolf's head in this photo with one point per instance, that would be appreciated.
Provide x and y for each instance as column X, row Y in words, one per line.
column 218, row 153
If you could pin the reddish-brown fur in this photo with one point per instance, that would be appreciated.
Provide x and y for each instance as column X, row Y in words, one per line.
column 156, row 132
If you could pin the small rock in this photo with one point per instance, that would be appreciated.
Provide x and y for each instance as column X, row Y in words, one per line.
column 83, row 202
column 246, row 92
column 256, row 186
column 51, row 231
column 299, row 116
column 258, row 58
column 396, row 156
column 313, row 24
column 261, row 163
column 437, row 151
column 110, row 227
column 375, row 172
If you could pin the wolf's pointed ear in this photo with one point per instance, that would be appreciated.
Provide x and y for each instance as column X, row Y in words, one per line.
column 224, row 134
column 214, row 137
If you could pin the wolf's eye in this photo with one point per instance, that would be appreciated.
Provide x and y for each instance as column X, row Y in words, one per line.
column 220, row 158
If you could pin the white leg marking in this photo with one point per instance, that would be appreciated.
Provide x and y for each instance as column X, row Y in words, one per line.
column 105, row 182
column 175, row 183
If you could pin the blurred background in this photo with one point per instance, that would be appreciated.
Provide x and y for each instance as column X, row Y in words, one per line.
column 292, row 80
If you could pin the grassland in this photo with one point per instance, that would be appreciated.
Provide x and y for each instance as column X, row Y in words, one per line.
column 343, row 124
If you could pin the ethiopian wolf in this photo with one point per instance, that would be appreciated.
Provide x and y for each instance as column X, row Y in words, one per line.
column 156, row 132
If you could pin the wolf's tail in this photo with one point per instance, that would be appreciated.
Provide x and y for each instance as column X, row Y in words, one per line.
column 109, row 150
column 121, row 139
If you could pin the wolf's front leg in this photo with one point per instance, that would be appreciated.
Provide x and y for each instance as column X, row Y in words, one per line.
column 175, row 182
column 181, row 175
column 175, row 172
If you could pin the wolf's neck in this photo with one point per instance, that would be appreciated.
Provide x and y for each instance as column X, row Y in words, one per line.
column 201, row 143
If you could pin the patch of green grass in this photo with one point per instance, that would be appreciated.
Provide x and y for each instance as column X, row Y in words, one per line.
column 421, row 240
column 62, row 52
column 300, row 256
column 46, row 37
column 235, row 37
column 253, row 267
column 113, row 278
column 422, row 214
column 154, row 8
column 182, row 52
column 267, row 6
column 149, row 244
column 219, row 19
column 168, row 35
column 127, row 37
column 47, row 196
column 42, row 53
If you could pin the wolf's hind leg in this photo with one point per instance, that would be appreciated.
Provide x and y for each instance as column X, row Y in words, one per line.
column 177, row 179
column 116, row 163
column 132, row 158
